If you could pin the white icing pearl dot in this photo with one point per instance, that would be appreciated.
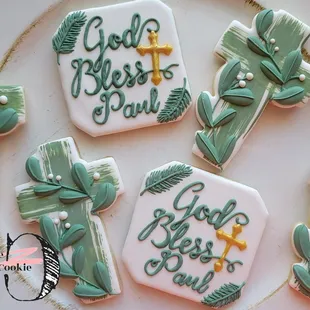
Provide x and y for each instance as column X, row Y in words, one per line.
column 276, row 49
column 3, row 99
column 249, row 76
column 242, row 84
column 96, row 176
column 58, row 177
column 50, row 176
column 272, row 41
column 239, row 77
column 302, row 77
column 67, row 225
column 63, row 215
column 56, row 221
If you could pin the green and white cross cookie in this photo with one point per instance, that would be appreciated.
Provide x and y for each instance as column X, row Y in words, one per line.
column 65, row 196
column 264, row 64
column 12, row 108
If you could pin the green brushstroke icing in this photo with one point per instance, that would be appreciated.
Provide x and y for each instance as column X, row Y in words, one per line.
column 289, row 34
column 56, row 160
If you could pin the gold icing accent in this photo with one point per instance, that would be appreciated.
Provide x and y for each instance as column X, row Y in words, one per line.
column 155, row 50
column 231, row 240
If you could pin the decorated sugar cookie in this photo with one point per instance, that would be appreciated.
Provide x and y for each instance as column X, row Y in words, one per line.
column 300, row 279
column 263, row 64
column 194, row 234
column 121, row 67
column 65, row 196
column 12, row 108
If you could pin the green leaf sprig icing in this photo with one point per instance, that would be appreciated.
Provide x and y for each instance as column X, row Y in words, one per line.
column 302, row 247
column 163, row 180
column 264, row 45
column 103, row 199
column 225, row 295
column 65, row 39
column 232, row 90
column 60, row 238
column 177, row 102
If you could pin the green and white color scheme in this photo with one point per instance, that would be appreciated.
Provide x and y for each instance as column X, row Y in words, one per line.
column 300, row 279
column 121, row 67
column 194, row 234
column 263, row 64
column 65, row 196
column 12, row 108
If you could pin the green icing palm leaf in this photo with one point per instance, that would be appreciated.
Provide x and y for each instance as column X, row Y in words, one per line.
column 162, row 180
column 65, row 39
column 225, row 295
column 178, row 101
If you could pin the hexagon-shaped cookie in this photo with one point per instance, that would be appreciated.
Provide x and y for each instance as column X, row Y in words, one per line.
column 194, row 234
column 121, row 67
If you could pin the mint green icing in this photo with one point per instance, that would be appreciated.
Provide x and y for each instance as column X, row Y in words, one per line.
column 263, row 21
column 105, row 197
column 66, row 271
column 102, row 276
column 225, row 117
column 238, row 96
column 87, row 291
column 46, row 190
column 78, row 259
column 302, row 242
column 303, row 278
column 72, row 235
column 205, row 110
column 271, row 72
column 13, row 110
column 8, row 120
column 290, row 95
column 70, row 197
column 48, row 232
column 228, row 75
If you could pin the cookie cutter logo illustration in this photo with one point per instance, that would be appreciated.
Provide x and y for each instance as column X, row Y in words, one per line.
column 19, row 260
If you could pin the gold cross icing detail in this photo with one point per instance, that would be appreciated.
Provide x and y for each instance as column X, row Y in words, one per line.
column 155, row 50
column 230, row 241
